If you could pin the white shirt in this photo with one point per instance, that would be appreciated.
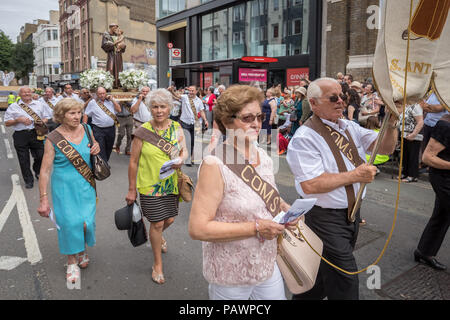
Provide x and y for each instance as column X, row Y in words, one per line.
column 186, row 111
column 54, row 100
column 74, row 96
column 14, row 111
column 309, row 156
column 142, row 114
column 99, row 117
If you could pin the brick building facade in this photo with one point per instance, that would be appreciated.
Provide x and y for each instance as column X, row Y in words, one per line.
column 350, row 36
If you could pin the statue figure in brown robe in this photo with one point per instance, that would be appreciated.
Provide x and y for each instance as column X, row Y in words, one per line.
column 114, row 46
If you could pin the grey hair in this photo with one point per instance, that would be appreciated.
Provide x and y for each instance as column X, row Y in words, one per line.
column 222, row 87
column 314, row 90
column 23, row 88
column 159, row 96
column 53, row 90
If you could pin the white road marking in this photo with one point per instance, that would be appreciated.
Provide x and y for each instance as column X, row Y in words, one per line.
column 17, row 198
column 10, row 263
column 8, row 149
column 3, row 129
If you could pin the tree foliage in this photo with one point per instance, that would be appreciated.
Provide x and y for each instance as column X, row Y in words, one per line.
column 6, row 52
column 23, row 59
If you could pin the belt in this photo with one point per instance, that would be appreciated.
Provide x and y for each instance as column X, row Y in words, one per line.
column 331, row 209
column 124, row 116
column 26, row 130
column 102, row 127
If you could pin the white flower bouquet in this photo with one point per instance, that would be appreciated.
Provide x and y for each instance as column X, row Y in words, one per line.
column 133, row 79
column 94, row 78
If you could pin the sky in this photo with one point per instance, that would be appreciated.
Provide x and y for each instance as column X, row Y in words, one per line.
column 15, row 13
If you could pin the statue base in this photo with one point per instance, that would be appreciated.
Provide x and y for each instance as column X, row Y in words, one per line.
column 123, row 95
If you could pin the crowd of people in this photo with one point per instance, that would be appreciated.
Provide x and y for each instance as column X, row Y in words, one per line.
column 233, row 221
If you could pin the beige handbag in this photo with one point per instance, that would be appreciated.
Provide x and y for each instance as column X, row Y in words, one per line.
column 185, row 186
column 298, row 263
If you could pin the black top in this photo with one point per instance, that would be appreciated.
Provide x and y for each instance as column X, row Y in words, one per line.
column 355, row 113
column 441, row 133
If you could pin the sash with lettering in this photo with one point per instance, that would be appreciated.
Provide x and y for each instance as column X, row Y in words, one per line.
column 244, row 170
column 339, row 145
column 49, row 104
column 73, row 156
column 109, row 113
column 158, row 141
column 39, row 125
column 194, row 110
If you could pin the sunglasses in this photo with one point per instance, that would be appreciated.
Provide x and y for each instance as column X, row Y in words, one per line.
column 249, row 118
column 334, row 98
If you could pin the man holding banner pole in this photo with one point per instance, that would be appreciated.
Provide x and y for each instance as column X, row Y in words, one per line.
column 327, row 157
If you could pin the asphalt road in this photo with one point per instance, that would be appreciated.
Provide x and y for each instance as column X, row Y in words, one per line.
column 119, row 271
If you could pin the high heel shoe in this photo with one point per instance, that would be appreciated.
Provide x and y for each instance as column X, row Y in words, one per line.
column 72, row 273
column 431, row 261
column 157, row 277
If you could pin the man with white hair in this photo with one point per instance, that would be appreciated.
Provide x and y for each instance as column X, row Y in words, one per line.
column 327, row 157
column 139, row 109
column 22, row 116
column 49, row 100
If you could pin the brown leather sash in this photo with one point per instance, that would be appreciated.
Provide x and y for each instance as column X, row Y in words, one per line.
column 339, row 145
column 109, row 113
column 39, row 125
column 194, row 109
column 244, row 170
column 50, row 104
column 73, row 156
column 156, row 140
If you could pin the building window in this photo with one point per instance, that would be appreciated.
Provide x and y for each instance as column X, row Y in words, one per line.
column 275, row 31
column 297, row 26
column 49, row 35
column 55, row 34
column 276, row 5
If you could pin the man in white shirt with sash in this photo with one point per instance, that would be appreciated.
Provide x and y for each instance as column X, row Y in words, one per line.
column 190, row 103
column 68, row 93
column 140, row 111
column 25, row 137
column 315, row 165
column 49, row 100
column 103, row 123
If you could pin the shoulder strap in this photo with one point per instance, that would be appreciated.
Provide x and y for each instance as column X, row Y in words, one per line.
column 244, row 170
column 156, row 140
column 109, row 113
column 326, row 133
column 30, row 112
column 194, row 109
column 73, row 156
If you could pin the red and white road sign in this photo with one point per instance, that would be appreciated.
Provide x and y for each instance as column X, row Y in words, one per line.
column 176, row 53
column 170, row 45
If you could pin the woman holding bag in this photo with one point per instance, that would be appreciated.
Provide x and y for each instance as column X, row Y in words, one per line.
column 73, row 194
column 158, row 198
column 240, row 238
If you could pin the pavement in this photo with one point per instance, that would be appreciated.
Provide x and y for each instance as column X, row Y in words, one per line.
column 121, row 272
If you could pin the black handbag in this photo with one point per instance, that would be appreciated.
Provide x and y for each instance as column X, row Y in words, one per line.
column 138, row 234
column 100, row 167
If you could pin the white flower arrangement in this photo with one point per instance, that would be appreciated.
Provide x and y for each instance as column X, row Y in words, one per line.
column 94, row 78
column 133, row 79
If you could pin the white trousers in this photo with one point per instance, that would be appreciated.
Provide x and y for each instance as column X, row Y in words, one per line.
column 271, row 289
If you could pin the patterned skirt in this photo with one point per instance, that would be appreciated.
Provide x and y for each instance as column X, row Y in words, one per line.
column 157, row 209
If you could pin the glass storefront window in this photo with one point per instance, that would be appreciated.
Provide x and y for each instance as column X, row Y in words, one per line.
column 271, row 28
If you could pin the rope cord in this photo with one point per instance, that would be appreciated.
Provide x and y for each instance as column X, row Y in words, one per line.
column 399, row 172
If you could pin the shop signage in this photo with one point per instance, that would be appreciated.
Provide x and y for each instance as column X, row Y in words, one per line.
column 249, row 75
column 175, row 56
column 208, row 82
column 295, row 75
column 259, row 59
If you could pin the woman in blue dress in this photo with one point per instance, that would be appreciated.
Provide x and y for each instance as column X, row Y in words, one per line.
column 269, row 108
column 73, row 197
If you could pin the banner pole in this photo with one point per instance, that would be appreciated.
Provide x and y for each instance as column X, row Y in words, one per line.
column 371, row 161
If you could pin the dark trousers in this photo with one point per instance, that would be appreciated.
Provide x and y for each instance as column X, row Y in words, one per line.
column 189, row 134
column 126, row 127
column 426, row 136
column 411, row 150
column 436, row 229
column 25, row 142
column 339, row 239
column 105, row 138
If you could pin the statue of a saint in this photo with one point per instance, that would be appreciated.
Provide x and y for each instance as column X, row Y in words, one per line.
column 113, row 44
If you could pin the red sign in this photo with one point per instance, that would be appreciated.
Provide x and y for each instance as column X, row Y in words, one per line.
column 170, row 45
column 176, row 53
column 293, row 76
column 249, row 75
column 208, row 80
column 259, row 59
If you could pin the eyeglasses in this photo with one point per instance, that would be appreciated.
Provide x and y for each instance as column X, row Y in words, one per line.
column 334, row 98
column 249, row 118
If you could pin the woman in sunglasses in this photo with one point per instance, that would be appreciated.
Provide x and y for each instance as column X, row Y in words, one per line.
column 240, row 246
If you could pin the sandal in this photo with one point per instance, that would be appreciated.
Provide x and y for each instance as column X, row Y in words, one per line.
column 72, row 273
column 157, row 277
column 164, row 245
column 362, row 222
column 410, row 179
column 83, row 260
